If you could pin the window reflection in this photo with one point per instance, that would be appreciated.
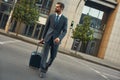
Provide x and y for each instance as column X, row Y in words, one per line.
column 8, row 1
column 45, row 6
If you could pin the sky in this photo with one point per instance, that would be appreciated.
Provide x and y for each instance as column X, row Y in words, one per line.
column 93, row 12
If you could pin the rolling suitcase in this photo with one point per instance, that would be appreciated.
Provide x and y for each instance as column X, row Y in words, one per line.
column 35, row 59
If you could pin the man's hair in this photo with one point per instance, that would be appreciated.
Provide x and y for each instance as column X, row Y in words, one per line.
column 62, row 6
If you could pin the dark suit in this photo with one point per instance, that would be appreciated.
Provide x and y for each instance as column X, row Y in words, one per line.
column 51, row 32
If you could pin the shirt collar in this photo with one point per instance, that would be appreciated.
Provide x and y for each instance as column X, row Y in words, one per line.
column 59, row 15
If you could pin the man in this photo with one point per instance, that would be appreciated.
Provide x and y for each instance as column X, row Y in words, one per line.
column 55, row 30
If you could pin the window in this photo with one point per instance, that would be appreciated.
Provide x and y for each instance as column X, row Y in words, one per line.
column 44, row 5
column 47, row 4
column 6, row 6
column 8, row 1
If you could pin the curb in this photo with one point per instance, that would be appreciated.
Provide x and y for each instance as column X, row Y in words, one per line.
column 92, row 61
column 105, row 65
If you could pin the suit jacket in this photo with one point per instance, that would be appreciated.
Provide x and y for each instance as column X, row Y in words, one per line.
column 55, row 30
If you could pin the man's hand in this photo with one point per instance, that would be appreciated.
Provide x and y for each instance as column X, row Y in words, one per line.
column 42, row 41
column 57, row 40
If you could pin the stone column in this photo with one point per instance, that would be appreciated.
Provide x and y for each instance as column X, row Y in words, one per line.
column 107, row 32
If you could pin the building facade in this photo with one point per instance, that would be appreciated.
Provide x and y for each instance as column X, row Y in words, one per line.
column 106, row 44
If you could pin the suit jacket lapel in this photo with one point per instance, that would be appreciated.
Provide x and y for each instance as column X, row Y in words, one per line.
column 60, row 20
column 54, row 17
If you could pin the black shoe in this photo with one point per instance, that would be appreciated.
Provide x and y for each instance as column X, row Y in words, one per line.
column 42, row 75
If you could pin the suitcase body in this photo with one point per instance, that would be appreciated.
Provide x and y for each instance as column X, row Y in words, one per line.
column 35, row 59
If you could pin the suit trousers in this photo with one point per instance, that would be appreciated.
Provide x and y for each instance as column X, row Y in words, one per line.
column 53, row 48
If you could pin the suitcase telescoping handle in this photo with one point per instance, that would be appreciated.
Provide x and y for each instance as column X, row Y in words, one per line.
column 38, row 44
column 37, row 47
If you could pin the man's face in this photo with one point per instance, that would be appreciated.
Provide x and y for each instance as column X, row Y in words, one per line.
column 58, row 8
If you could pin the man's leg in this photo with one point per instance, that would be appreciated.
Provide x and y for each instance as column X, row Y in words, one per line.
column 44, row 57
column 53, row 53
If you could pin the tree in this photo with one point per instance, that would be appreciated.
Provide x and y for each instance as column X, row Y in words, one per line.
column 25, row 12
column 83, row 32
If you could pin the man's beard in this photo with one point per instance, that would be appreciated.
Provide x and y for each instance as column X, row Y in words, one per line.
column 57, row 11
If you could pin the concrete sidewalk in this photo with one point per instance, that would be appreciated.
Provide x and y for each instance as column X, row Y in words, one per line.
column 68, row 52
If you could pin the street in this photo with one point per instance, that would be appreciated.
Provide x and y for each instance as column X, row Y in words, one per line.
column 14, row 65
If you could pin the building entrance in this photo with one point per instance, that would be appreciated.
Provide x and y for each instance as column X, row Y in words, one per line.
column 99, row 11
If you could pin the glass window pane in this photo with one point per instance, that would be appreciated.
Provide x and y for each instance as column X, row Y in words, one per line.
column 94, row 12
column 5, row 8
